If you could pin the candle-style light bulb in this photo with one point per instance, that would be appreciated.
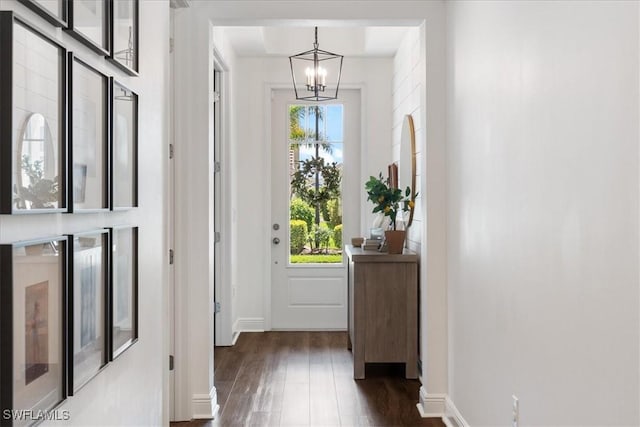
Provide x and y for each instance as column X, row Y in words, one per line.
column 323, row 76
column 309, row 74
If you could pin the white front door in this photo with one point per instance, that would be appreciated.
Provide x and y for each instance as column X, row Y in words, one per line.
column 308, row 272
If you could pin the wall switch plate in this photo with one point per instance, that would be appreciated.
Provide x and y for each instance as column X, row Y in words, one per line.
column 515, row 412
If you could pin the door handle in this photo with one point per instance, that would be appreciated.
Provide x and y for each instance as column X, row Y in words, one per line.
column 276, row 240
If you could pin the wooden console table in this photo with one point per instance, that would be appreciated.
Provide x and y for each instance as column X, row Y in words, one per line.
column 383, row 309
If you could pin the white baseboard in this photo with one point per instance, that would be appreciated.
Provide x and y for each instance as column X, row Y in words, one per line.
column 235, row 337
column 453, row 417
column 205, row 406
column 249, row 324
column 433, row 404
column 440, row 406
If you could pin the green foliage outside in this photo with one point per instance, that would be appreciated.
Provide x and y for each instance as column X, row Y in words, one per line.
column 298, row 235
column 301, row 210
column 315, row 190
column 319, row 237
column 334, row 213
column 296, row 132
column 316, row 259
column 297, row 119
column 311, row 170
column 315, row 182
column 337, row 235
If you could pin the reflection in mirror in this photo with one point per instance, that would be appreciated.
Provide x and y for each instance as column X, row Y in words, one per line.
column 407, row 163
column 37, row 180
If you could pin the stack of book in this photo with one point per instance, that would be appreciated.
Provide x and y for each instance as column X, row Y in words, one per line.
column 371, row 244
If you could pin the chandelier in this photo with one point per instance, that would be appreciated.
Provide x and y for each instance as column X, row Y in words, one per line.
column 319, row 70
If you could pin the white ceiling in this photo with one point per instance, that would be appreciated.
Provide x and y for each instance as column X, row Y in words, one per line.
column 286, row 41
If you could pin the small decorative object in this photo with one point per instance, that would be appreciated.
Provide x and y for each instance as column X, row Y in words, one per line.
column 33, row 346
column 357, row 241
column 371, row 244
column 389, row 201
column 393, row 175
column 32, row 127
column 124, row 289
column 87, row 312
column 378, row 232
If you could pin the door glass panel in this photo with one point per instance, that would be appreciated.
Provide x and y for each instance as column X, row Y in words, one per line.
column 315, row 183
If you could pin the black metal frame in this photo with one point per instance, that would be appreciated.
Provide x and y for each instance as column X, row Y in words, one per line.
column 7, row 160
column 7, row 326
column 45, row 14
column 113, row 189
column 73, row 60
column 116, row 352
column 316, row 56
column 78, row 35
column 102, row 233
column 112, row 55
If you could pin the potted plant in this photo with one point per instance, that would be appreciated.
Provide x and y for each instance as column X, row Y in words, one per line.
column 389, row 201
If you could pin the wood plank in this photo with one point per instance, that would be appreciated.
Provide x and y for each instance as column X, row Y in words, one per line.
column 295, row 405
column 322, row 393
column 269, row 397
column 223, row 390
column 263, row 419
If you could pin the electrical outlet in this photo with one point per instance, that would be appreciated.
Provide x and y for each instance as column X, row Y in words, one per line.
column 515, row 412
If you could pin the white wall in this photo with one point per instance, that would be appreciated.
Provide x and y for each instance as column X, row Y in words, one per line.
column 408, row 85
column 418, row 89
column 543, row 211
column 132, row 389
column 251, row 77
column 194, row 240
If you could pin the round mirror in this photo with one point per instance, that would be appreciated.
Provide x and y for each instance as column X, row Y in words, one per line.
column 36, row 177
column 407, row 163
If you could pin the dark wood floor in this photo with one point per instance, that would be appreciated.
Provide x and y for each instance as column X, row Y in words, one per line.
column 306, row 379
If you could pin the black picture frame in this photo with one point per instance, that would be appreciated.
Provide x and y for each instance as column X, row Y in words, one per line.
column 45, row 13
column 124, row 147
column 123, row 290
column 126, row 57
column 33, row 298
column 15, row 198
column 95, row 155
column 79, row 12
column 87, row 314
